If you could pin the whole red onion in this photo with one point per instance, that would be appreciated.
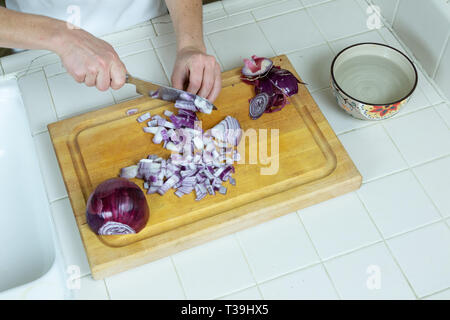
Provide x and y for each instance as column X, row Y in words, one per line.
column 117, row 206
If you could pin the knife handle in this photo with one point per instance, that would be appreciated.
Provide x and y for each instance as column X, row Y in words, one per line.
column 142, row 87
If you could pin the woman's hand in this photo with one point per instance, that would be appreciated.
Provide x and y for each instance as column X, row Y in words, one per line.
column 197, row 72
column 91, row 60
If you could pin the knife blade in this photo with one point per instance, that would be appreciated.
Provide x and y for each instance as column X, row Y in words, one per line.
column 161, row 92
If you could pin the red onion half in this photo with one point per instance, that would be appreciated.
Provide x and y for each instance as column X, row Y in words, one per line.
column 117, row 206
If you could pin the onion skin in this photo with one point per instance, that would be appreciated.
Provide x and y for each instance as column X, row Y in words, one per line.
column 278, row 84
column 118, row 203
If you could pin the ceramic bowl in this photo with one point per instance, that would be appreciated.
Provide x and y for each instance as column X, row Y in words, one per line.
column 372, row 81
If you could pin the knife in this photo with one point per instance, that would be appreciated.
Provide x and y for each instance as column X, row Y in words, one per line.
column 157, row 91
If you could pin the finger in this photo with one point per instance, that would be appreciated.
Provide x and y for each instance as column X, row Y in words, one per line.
column 179, row 77
column 207, row 81
column 79, row 76
column 90, row 79
column 103, row 80
column 195, row 79
column 217, row 85
column 118, row 75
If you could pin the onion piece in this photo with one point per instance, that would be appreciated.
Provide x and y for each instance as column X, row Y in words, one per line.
column 144, row 117
column 258, row 105
column 129, row 172
column 256, row 67
column 132, row 111
column 227, row 131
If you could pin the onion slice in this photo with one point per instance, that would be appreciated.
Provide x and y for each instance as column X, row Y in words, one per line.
column 258, row 105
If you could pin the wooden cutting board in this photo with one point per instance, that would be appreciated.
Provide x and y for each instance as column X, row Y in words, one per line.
column 312, row 167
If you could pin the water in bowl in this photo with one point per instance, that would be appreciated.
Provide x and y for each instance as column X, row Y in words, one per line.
column 373, row 79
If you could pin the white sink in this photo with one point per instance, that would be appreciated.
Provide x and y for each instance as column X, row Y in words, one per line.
column 29, row 262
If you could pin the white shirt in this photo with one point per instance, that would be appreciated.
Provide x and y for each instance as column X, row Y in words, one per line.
column 98, row 17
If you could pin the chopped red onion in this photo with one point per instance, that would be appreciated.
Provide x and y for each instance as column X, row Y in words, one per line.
column 132, row 111
column 144, row 117
column 200, row 161
column 129, row 172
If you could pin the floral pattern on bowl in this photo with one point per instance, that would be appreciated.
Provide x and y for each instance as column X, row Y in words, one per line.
column 365, row 111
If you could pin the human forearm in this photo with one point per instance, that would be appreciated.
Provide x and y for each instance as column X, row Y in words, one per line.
column 27, row 31
column 187, row 21
column 86, row 58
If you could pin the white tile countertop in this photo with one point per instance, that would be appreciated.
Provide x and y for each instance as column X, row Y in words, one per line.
column 395, row 229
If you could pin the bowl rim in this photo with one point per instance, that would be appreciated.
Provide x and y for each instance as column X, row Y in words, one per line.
column 379, row 44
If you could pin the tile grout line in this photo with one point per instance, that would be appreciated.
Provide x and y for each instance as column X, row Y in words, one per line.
column 264, row 35
column 381, row 122
column 239, row 291
column 214, row 49
column 425, row 225
column 231, row 27
column 417, row 63
column 153, row 28
column 160, row 62
column 441, row 116
column 401, row 170
column 316, row 25
column 1, row 68
column 318, row 255
column 396, row 9
column 441, row 56
column 434, row 293
column 311, row 265
column 102, row 280
column 365, row 246
column 241, row 247
column 166, row 73
column 107, row 289
column 386, row 245
column 277, row 14
column 47, row 192
column 178, row 277
column 250, row 9
column 398, row 148
column 426, row 193
column 51, row 95
column 317, row 4
column 59, row 199
column 410, row 168
column 214, row 52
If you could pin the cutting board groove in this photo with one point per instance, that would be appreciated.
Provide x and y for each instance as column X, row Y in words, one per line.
column 313, row 166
